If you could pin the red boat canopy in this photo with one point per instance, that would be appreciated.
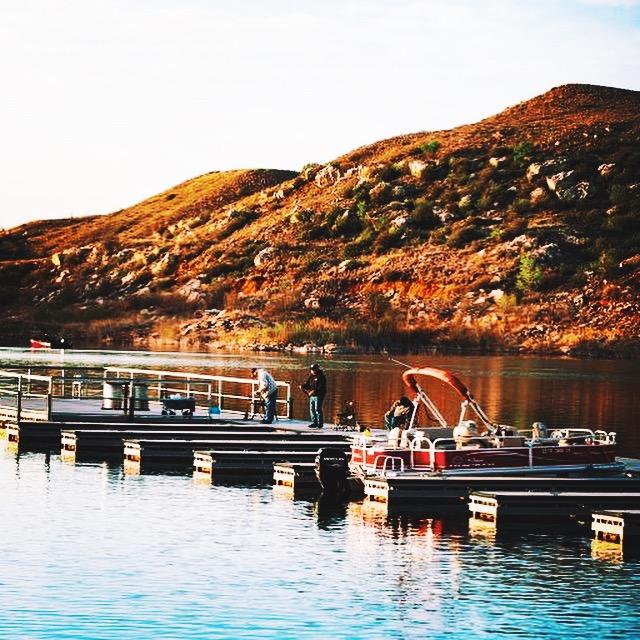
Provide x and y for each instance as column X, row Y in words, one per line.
column 409, row 378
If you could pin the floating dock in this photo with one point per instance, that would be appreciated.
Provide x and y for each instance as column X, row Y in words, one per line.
column 620, row 527
column 539, row 508
column 300, row 476
column 207, row 463
column 419, row 492
column 240, row 456
column 46, row 436
column 99, row 444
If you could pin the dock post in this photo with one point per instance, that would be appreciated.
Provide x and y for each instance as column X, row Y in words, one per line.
column 132, row 458
column 202, row 466
column 131, row 400
column 19, row 401
column 50, row 399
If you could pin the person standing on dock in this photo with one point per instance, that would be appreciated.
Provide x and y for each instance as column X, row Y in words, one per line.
column 316, row 388
column 268, row 391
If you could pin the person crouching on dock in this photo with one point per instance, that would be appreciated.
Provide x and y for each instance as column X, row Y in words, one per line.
column 268, row 391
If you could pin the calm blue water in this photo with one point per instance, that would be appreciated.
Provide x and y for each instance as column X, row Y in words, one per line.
column 89, row 553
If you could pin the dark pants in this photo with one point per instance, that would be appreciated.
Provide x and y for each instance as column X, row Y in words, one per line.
column 315, row 410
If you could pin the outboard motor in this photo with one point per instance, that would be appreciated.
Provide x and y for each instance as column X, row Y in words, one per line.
column 332, row 467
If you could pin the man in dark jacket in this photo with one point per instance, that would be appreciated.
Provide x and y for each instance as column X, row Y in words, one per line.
column 316, row 388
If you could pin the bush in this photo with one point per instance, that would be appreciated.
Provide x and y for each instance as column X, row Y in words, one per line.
column 311, row 264
column 618, row 194
column 529, row 274
column 522, row 152
column 430, row 147
column 390, row 172
column 348, row 224
column 422, row 216
column 522, row 205
column 388, row 240
column 14, row 247
column 237, row 220
column 463, row 236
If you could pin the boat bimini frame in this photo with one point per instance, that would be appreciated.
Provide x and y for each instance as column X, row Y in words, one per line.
column 468, row 401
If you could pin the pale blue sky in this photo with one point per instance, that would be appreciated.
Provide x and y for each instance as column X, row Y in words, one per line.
column 106, row 102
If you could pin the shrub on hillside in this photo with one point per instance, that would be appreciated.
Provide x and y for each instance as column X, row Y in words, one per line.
column 430, row 147
column 391, row 172
column 619, row 194
column 522, row 205
column 529, row 274
column 465, row 235
column 347, row 224
column 422, row 218
column 236, row 220
column 522, row 152
column 14, row 247
column 388, row 239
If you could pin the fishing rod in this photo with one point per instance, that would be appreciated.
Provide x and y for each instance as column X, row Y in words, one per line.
column 402, row 364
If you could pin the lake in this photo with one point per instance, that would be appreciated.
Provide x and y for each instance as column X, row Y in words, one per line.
column 91, row 553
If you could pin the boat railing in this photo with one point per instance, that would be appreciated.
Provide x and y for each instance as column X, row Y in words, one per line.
column 387, row 461
column 574, row 435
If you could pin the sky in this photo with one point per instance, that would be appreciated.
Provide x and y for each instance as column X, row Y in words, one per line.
column 108, row 102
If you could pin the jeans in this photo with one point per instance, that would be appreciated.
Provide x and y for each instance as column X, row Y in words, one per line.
column 315, row 410
column 271, row 406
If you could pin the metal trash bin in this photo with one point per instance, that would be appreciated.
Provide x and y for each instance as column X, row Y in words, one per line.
column 141, row 396
column 112, row 395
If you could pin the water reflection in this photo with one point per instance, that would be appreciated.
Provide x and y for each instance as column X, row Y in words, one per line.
column 603, row 394
column 330, row 511
column 93, row 553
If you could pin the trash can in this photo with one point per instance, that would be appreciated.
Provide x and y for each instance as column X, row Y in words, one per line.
column 112, row 395
column 141, row 396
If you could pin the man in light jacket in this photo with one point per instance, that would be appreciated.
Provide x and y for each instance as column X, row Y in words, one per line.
column 268, row 391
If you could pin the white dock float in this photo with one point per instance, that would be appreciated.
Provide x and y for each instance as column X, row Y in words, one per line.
column 616, row 526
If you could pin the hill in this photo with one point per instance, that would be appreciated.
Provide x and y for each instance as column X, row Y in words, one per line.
column 519, row 232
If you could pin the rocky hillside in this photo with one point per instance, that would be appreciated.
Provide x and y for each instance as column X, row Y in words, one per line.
column 520, row 232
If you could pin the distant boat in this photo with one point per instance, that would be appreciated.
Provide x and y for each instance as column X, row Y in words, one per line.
column 50, row 342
